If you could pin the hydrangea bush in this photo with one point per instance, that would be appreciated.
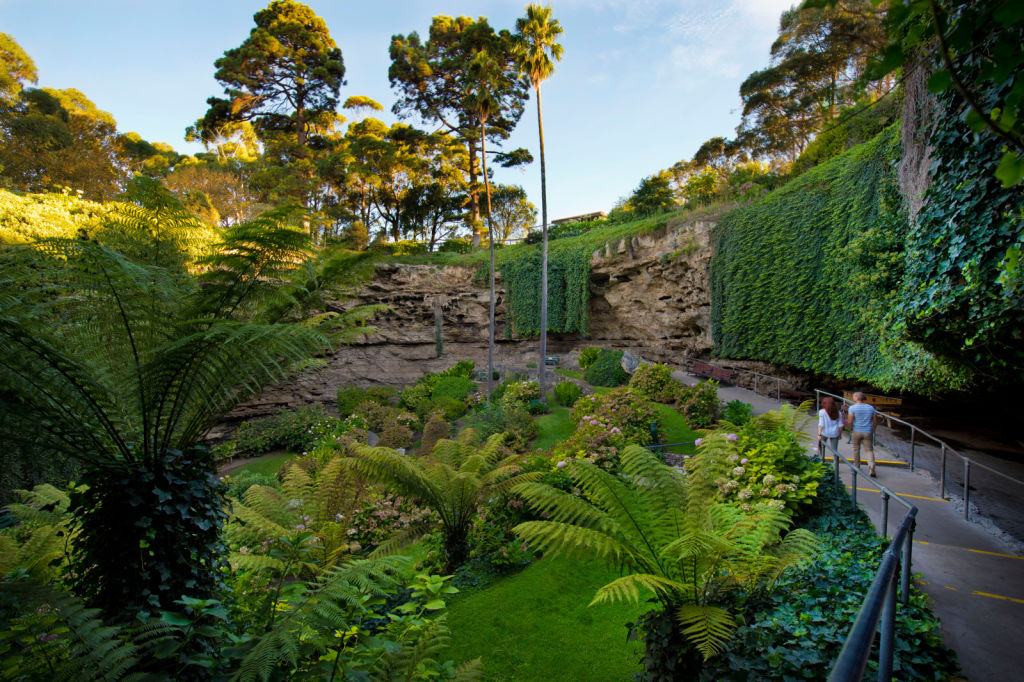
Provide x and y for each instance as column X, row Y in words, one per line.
column 655, row 381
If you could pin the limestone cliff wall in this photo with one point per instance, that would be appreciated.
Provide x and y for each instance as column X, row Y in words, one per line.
column 648, row 294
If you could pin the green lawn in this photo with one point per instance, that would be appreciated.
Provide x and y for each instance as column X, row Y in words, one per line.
column 267, row 464
column 554, row 427
column 536, row 625
column 676, row 430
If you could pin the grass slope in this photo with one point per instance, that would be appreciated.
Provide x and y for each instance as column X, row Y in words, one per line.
column 553, row 428
column 267, row 464
column 536, row 625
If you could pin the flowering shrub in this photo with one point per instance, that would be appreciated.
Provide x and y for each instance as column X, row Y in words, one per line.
column 763, row 465
column 349, row 397
column 491, row 538
column 520, row 393
column 379, row 417
column 384, row 515
column 594, row 440
column 295, row 430
column 655, row 381
column 620, row 409
column 699, row 404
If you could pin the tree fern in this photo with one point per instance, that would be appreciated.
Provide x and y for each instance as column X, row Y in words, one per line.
column 653, row 525
column 453, row 480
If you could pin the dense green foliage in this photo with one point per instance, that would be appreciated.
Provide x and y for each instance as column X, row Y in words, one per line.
column 567, row 393
column 295, row 430
column 961, row 294
column 607, row 370
column 797, row 631
column 779, row 276
column 568, row 290
column 588, row 355
column 654, row 381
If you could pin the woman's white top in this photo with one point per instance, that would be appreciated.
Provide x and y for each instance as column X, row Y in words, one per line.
column 830, row 428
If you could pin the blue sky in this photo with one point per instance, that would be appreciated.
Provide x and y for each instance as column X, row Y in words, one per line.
column 641, row 85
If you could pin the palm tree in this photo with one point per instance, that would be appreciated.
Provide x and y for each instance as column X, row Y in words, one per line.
column 124, row 366
column 486, row 72
column 454, row 480
column 650, row 524
column 536, row 51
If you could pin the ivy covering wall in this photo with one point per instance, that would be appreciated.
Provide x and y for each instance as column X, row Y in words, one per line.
column 784, row 278
column 568, row 290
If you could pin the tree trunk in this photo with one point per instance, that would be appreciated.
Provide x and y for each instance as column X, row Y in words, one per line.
column 474, row 193
column 543, row 256
column 490, row 240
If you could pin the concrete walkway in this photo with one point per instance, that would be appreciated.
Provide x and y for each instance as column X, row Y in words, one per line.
column 975, row 578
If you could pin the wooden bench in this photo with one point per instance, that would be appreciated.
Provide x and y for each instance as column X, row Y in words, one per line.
column 702, row 369
column 722, row 376
column 551, row 360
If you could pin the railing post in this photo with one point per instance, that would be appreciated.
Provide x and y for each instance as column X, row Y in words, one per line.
column 778, row 390
column 755, row 383
column 908, row 550
column 885, row 514
column 942, row 474
column 913, row 432
column 887, row 641
column 835, row 461
column 967, row 489
column 817, row 400
column 853, row 487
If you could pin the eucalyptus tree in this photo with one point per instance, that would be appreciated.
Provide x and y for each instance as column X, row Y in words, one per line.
column 432, row 79
column 480, row 99
column 124, row 365
column 536, row 53
column 285, row 78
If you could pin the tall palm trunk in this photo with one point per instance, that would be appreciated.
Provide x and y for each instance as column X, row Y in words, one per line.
column 490, row 240
column 543, row 255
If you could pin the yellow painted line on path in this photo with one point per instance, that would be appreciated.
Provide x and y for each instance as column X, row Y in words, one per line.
column 968, row 549
column 916, row 497
column 978, row 593
column 894, row 462
column 997, row 596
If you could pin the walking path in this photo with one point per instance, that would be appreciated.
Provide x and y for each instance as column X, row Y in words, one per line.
column 975, row 578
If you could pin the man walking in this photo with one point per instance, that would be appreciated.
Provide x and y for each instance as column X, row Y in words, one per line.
column 861, row 419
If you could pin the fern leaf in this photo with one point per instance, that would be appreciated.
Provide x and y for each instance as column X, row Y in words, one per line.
column 707, row 627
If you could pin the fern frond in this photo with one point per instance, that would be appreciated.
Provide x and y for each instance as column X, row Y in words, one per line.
column 707, row 627
column 44, row 504
column 563, row 538
column 402, row 539
column 254, row 562
column 627, row 588
column 560, row 506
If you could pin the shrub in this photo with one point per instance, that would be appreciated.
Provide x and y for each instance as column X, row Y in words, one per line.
column 452, row 408
column 655, row 381
column 594, row 440
column 376, row 416
column 396, row 436
column 491, row 539
column 607, row 370
column 436, row 429
column 622, row 410
column 699, row 404
column 456, row 245
column 762, row 465
column 457, row 387
column 520, row 393
column 296, row 430
column 567, row 393
column 537, row 407
column 738, row 412
column 518, row 426
column 349, row 397
column 462, row 368
column 588, row 356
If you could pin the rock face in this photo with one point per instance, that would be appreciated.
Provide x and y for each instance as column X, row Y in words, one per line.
column 648, row 294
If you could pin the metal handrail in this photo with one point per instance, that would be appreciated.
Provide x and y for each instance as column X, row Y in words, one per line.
column 879, row 604
column 967, row 461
